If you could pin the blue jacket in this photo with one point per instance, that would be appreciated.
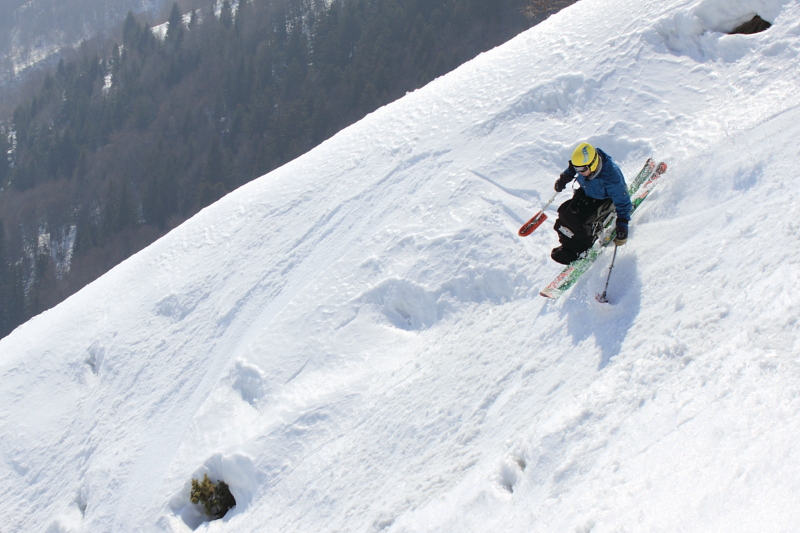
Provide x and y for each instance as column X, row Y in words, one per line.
column 609, row 183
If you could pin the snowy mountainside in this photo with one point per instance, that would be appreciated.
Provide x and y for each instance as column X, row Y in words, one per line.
column 355, row 342
column 33, row 31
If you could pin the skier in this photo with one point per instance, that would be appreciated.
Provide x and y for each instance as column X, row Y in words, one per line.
column 580, row 218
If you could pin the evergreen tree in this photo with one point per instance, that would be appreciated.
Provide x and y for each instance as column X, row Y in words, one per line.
column 15, row 291
column 226, row 14
column 174, row 26
column 42, row 279
column 5, row 286
column 130, row 31
column 5, row 168
column 212, row 188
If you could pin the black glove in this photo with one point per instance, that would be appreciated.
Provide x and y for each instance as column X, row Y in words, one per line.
column 622, row 232
column 565, row 177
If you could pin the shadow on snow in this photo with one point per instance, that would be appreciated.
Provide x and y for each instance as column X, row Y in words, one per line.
column 609, row 323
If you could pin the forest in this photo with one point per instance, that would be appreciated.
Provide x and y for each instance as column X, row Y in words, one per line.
column 130, row 135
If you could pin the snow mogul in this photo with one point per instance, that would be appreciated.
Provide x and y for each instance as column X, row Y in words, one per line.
column 601, row 190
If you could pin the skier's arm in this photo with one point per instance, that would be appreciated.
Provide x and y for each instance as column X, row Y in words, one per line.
column 618, row 192
column 565, row 177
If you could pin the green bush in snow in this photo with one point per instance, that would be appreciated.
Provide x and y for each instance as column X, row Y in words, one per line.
column 215, row 497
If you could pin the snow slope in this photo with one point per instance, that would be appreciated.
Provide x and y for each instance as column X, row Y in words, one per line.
column 355, row 342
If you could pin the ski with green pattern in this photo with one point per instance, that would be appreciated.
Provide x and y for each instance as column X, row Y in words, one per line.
column 639, row 189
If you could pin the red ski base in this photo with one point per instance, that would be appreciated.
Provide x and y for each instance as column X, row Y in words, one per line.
column 532, row 224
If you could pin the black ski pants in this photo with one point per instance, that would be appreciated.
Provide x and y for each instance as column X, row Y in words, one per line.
column 576, row 221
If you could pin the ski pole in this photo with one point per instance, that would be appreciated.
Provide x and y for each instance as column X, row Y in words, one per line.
column 537, row 219
column 550, row 201
column 602, row 297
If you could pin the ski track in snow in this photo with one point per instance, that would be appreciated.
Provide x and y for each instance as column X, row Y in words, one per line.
column 355, row 342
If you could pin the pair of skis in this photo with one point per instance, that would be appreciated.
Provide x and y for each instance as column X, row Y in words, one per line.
column 640, row 188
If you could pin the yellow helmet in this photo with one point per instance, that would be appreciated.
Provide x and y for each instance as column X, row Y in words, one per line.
column 585, row 156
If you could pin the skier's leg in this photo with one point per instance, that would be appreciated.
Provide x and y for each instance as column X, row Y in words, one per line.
column 596, row 221
column 574, row 233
